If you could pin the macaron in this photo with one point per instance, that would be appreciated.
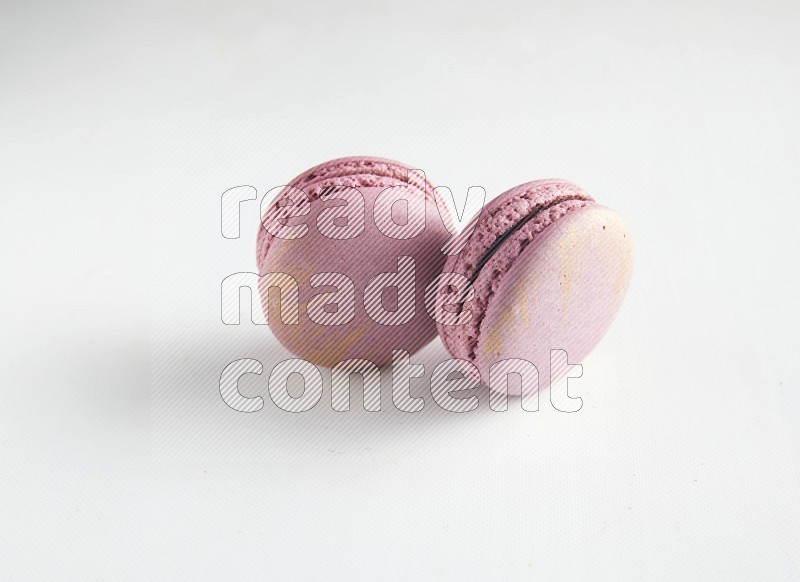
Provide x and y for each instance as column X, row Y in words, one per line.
column 352, row 243
column 549, row 268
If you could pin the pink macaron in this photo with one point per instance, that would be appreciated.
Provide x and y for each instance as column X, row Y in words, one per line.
column 351, row 245
column 549, row 268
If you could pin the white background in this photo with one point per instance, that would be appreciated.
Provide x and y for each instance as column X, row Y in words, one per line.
column 121, row 127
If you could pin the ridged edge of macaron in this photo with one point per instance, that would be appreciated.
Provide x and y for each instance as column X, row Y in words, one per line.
column 540, row 203
column 357, row 165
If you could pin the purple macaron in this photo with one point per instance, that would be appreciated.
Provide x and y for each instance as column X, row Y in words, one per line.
column 549, row 268
column 352, row 244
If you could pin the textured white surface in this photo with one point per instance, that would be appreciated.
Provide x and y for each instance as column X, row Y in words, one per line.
column 122, row 126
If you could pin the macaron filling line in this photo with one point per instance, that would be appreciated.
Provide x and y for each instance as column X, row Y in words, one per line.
column 479, row 308
column 490, row 252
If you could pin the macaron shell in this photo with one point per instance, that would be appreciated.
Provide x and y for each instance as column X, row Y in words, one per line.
column 356, row 171
column 561, row 293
